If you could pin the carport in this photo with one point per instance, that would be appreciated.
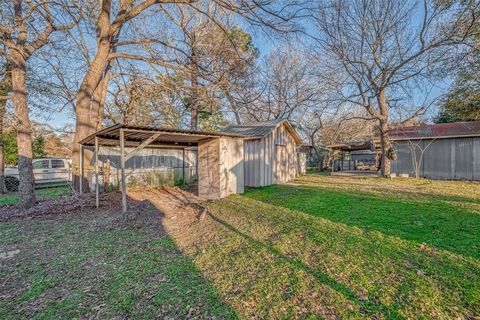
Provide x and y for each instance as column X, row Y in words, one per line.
column 220, row 155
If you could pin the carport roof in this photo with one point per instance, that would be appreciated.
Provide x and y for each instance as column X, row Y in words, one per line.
column 135, row 135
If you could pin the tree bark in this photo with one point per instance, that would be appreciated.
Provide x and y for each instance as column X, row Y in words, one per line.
column 194, row 93
column 24, row 134
column 87, row 118
column 384, row 138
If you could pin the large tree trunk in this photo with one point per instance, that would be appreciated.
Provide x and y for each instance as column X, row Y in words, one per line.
column 88, row 113
column 24, row 135
column 384, row 138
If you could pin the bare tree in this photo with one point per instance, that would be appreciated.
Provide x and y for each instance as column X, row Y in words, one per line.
column 417, row 150
column 26, row 27
column 384, row 50
column 287, row 86
column 113, row 41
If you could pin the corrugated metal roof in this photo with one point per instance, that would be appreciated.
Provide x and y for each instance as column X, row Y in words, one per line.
column 253, row 129
column 136, row 134
column 442, row 130
column 260, row 129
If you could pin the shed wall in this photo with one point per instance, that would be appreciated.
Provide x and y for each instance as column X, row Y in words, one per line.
column 231, row 167
column 455, row 158
column 152, row 166
column 271, row 159
column 220, row 167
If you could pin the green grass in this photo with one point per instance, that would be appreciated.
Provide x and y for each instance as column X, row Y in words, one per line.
column 46, row 192
column 90, row 265
column 319, row 248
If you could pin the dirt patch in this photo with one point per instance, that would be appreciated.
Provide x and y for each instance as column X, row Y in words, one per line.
column 178, row 207
column 64, row 205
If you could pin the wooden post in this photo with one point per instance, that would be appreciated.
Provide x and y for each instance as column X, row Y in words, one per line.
column 122, row 169
column 183, row 165
column 81, row 169
column 97, row 195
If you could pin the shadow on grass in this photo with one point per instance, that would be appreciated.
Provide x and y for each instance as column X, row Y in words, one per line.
column 430, row 220
column 95, row 264
column 369, row 307
column 432, row 196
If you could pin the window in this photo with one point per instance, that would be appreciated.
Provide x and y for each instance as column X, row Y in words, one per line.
column 40, row 164
column 56, row 164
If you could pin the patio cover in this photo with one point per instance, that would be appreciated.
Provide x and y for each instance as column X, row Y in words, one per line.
column 140, row 137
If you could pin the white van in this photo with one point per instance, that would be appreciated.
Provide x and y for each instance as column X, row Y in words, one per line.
column 45, row 170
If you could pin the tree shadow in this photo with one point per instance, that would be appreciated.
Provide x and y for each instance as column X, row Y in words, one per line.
column 368, row 306
column 99, row 264
column 422, row 219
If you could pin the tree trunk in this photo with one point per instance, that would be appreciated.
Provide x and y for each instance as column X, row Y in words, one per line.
column 194, row 93
column 24, row 135
column 86, row 117
column 384, row 138
column 233, row 105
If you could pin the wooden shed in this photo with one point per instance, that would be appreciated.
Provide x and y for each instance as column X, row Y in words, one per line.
column 269, row 151
column 255, row 154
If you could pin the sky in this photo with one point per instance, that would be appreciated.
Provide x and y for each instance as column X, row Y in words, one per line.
column 265, row 44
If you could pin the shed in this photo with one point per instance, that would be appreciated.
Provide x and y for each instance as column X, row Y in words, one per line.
column 255, row 154
column 434, row 151
column 270, row 151
column 440, row 151
column 220, row 155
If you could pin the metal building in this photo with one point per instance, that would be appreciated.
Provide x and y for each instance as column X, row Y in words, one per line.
column 438, row 151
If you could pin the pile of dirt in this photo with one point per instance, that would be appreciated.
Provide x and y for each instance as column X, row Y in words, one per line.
column 64, row 205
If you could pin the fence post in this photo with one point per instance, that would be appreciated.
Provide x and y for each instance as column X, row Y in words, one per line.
column 81, row 169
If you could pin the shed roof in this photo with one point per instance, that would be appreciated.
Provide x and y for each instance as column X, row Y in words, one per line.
column 261, row 129
column 135, row 135
column 436, row 131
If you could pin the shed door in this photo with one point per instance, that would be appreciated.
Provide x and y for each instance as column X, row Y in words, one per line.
column 281, row 163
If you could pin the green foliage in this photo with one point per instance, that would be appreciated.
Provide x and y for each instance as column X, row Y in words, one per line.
column 39, row 147
column 463, row 101
column 211, row 121
column 10, row 152
column 243, row 40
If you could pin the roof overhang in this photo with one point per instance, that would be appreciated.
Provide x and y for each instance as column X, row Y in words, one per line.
column 164, row 137
column 292, row 131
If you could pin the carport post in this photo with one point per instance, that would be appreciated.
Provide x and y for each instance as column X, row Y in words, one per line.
column 122, row 169
column 81, row 168
column 97, row 202
column 183, row 165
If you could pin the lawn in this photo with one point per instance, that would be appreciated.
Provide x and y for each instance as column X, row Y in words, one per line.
column 319, row 247
column 42, row 193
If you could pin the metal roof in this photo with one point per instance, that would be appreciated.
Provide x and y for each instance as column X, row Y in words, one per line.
column 261, row 129
column 353, row 146
column 436, row 131
column 134, row 135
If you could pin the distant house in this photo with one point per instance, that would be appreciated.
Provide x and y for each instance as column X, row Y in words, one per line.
column 450, row 150
column 435, row 151
column 270, row 152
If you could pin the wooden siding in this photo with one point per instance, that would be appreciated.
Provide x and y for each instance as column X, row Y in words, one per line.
column 271, row 159
column 152, row 166
column 208, row 169
column 220, row 167
column 231, row 167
